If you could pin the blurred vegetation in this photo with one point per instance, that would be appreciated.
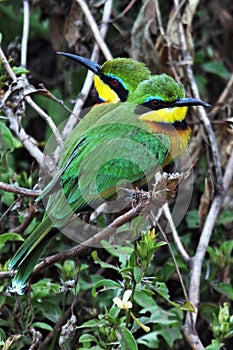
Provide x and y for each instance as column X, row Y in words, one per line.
column 70, row 305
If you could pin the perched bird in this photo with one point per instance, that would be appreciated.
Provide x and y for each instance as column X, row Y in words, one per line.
column 130, row 143
column 116, row 78
column 114, row 81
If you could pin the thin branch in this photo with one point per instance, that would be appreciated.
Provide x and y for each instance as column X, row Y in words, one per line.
column 47, row 118
column 156, row 223
column 9, row 208
column 73, row 119
column 7, row 66
column 179, row 246
column 192, row 339
column 44, row 161
column 19, row 190
column 22, row 227
column 28, row 143
column 222, row 97
column 211, row 218
column 103, row 234
column 123, row 13
column 165, row 38
column 98, row 37
column 24, row 44
column 201, row 110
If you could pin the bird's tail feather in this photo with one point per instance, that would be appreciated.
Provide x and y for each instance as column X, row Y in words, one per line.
column 28, row 255
column 36, row 236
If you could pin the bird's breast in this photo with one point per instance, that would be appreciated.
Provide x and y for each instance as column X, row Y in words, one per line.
column 178, row 133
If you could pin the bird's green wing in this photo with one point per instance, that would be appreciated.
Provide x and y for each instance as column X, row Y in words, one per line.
column 108, row 154
column 72, row 142
column 87, row 122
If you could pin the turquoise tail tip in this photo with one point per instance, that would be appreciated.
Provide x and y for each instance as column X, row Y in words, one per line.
column 16, row 287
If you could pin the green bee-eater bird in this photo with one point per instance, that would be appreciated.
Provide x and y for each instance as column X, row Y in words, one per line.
column 116, row 78
column 114, row 81
column 131, row 143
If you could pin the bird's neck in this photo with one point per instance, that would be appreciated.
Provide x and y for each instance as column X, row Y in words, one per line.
column 172, row 123
column 104, row 91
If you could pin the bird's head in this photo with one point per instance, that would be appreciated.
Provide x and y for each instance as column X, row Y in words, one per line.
column 116, row 79
column 161, row 93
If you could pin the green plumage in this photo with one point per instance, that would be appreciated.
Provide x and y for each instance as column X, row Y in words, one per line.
column 109, row 146
column 129, row 71
column 163, row 88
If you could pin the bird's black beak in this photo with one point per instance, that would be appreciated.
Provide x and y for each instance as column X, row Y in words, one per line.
column 94, row 67
column 186, row 101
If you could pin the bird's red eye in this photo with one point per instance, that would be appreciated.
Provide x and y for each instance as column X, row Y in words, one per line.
column 155, row 103
column 114, row 82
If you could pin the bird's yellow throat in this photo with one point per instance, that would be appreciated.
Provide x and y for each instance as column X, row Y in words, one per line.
column 165, row 115
column 104, row 91
column 171, row 122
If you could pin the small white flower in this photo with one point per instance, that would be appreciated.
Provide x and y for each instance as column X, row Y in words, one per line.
column 124, row 303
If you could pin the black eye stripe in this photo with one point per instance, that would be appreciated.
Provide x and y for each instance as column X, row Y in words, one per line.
column 121, row 92
column 114, row 82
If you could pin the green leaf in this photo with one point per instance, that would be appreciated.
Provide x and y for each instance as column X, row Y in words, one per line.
column 207, row 310
column 20, row 70
column 42, row 325
column 223, row 288
column 90, row 324
column 215, row 345
column 117, row 251
column 192, row 219
column 150, row 340
column 217, row 68
column 87, row 338
column 143, row 299
column 126, row 339
column 102, row 263
column 9, row 237
column 162, row 290
column 105, row 284
column 2, row 300
column 225, row 217
column 44, row 288
column 138, row 273
column 188, row 306
column 6, row 138
column 49, row 310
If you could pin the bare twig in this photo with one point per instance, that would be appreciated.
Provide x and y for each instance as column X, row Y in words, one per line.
column 156, row 223
column 179, row 246
column 9, row 209
column 192, row 339
column 165, row 38
column 47, row 118
column 22, row 227
column 103, row 234
column 211, row 218
column 73, row 119
column 222, row 97
column 198, row 258
column 7, row 66
column 24, row 44
column 26, row 140
column 201, row 110
column 95, row 29
column 19, row 190
column 123, row 13
column 44, row 161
